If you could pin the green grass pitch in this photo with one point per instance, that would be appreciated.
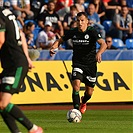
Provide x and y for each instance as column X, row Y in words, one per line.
column 93, row 121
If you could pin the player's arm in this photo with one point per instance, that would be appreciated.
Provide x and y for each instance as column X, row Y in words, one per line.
column 25, row 49
column 103, row 47
column 2, row 38
column 55, row 45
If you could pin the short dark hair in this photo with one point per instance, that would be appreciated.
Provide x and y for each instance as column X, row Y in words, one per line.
column 108, row 36
column 124, row 6
column 50, row 1
column 82, row 13
column 73, row 7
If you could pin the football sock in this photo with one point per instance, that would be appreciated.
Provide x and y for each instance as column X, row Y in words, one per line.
column 86, row 98
column 10, row 122
column 15, row 112
column 76, row 99
column 33, row 128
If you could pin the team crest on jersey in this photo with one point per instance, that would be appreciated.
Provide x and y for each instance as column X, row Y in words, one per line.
column 74, row 36
column 87, row 36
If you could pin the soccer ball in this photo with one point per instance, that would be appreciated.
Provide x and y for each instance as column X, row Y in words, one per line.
column 74, row 115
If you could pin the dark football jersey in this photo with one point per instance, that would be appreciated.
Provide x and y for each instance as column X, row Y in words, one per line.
column 53, row 18
column 11, row 53
column 84, row 45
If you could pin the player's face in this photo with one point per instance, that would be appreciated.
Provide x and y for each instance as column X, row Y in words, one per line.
column 82, row 23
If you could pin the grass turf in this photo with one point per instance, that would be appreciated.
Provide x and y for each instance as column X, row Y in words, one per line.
column 93, row 121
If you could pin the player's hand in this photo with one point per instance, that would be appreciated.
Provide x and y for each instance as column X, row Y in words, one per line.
column 30, row 64
column 98, row 57
column 52, row 51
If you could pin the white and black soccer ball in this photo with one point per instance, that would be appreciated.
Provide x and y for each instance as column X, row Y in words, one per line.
column 74, row 115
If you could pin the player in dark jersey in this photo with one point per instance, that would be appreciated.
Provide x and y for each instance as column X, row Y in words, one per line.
column 85, row 58
column 15, row 63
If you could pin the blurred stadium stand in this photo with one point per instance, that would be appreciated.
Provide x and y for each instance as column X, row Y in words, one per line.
column 107, row 25
column 129, row 43
column 106, row 56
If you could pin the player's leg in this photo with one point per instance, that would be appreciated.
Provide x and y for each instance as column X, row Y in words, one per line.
column 90, row 81
column 9, row 87
column 16, row 113
column 8, row 119
column 10, row 122
column 87, row 95
column 75, row 93
column 77, row 76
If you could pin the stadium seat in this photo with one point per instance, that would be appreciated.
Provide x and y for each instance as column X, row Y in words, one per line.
column 36, row 32
column 129, row 43
column 107, row 25
column 118, row 43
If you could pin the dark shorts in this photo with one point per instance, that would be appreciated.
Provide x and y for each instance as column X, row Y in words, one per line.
column 12, row 79
column 85, row 74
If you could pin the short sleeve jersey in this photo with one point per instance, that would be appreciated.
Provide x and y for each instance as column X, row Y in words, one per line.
column 53, row 18
column 11, row 53
column 84, row 45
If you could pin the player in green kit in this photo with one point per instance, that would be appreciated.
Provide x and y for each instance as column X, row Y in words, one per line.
column 15, row 63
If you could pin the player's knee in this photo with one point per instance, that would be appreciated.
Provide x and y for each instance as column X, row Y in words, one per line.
column 90, row 91
column 3, row 105
column 76, row 88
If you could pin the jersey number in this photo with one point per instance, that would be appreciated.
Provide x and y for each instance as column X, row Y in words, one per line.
column 12, row 18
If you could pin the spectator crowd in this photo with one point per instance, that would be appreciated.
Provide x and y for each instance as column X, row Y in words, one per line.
column 43, row 21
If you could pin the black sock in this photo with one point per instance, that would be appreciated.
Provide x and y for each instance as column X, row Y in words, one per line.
column 86, row 98
column 76, row 99
column 15, row 112
column 10, row 122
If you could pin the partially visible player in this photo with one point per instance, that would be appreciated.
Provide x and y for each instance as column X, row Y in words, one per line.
column 85, row 58
column 15, row 63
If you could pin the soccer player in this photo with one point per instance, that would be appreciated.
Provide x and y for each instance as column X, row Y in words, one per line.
column 85, row 58
column 15, row 63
